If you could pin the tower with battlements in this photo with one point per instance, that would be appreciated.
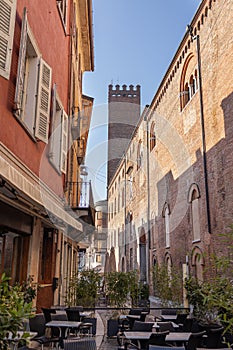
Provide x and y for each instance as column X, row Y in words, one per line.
column 123, row 116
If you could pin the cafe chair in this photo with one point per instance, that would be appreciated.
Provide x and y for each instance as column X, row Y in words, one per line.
column 73, row 314
column 47, row 313
column 166, row 326
column 158, row 338
column 180, row 320
column 143, row 326
column 37, row 324
column 80, row 344
column 195, row 340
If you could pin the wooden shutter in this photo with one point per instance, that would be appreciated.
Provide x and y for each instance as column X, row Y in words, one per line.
column 21, row 62
column 7, row 25
column 64, row 141
column 43, row 102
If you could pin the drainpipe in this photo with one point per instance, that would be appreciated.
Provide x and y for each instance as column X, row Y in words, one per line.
column 148, row 193
column 197, row 38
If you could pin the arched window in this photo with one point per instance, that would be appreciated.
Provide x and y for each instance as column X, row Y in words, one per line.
column 139, row 155
column 198, row 263
column 194, row 195
column 188, row 82
column 152, row 136
column 166, row 215
column 168, row 262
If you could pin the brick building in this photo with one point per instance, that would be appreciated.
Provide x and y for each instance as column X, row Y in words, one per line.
column 46, row 46
column 179, row 161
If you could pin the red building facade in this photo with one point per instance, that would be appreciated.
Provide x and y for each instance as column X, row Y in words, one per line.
column 39, row 88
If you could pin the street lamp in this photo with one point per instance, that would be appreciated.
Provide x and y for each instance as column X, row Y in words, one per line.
column 197, row 39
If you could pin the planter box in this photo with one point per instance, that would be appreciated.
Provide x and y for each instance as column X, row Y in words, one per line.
column 112, row 328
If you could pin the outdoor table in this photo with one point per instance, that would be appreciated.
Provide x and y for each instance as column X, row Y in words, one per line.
column 168, row 317
column 63, row 327
column 178, row 337
column 156, row 325
column 134, row 335
column 172, row 337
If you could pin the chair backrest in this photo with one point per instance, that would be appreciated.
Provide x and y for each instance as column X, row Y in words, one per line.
column 47, row 313
column 195, row 340
column 143, row 326
column 73, row 314
column 169, row 311
column 59, row 317
column 135, row 311
column 80, row 344
column 37, row 324
column 158, row 338
column 180, row 318
column 166, row 326
column 155, row 347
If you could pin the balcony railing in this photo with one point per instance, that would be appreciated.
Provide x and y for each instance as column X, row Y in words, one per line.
column 80, row 198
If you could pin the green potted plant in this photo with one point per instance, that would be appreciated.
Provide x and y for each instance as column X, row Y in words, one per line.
column 83, row 290
column 14, row 310
column 212, row 300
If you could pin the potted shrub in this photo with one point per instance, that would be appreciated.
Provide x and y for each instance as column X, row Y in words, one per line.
column 14, row 310
column 118, row 287
column 212, row 300
column 83, row 290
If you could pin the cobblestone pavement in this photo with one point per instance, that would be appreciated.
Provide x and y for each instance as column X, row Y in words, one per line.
column 108, row 343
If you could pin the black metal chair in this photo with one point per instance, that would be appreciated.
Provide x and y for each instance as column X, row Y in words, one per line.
column 158, row 338
column 142, row 327
column 73, row 314
column 166, row 326
column 180, row 320
column 80, row 344
column 195, row 340
column 47, row 315
column 37, row 324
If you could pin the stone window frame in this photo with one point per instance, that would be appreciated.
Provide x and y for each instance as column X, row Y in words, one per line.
column 193, row 199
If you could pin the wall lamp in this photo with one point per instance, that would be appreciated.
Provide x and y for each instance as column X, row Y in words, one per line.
column 7, row 190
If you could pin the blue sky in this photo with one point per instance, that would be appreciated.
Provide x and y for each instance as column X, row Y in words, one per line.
column 134, row 43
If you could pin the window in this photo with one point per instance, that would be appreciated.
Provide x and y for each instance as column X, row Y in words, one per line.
column 33, row 86
column 166, row 215
column 59, row 137
column 198, row 263
column 152, row 136
column 7, row 25
column 194, row 195
column 99, row 215
column 168, row 262
column 62, row 7
column 188, row 85
column 139, row 155
column 131, row 259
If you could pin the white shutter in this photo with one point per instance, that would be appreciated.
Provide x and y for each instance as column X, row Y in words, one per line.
column 21, row 62
column 43, row 102
column 7, row 25
column 64, row 142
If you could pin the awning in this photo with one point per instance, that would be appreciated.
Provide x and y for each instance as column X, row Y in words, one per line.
column 31, row 187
